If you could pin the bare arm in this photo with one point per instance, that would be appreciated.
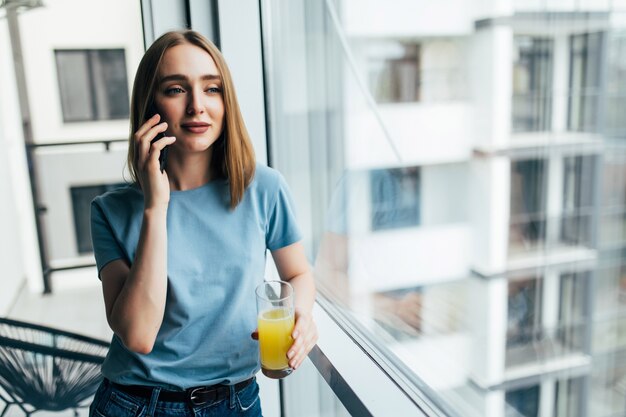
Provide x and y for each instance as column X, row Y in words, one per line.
column 134, row 296
column 293, row 266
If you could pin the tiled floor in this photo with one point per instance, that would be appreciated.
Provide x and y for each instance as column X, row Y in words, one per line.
column 76, row 305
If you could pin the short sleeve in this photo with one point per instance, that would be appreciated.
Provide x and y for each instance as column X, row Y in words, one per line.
column 105, row 245
column 282, row 228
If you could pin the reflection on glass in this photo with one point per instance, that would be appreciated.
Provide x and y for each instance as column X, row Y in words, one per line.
column 394, row 72
column 486, row 265
column 569, row 401
column 532, row 84
column 523, row 402
column 585, row 78
column 608, row 386
column 395, row 198
column 579, row 178
column 524, row 314
column 528, row 205
column 615, row 99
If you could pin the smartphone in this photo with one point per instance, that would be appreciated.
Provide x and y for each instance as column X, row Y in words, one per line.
column 163, row 155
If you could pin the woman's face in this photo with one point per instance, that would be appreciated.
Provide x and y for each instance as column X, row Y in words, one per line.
column 189, row 98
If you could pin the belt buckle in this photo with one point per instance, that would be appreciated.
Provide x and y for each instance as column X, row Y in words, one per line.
column 202, row 395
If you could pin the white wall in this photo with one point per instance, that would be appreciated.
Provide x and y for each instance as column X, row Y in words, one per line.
column 62, row 24
column 407, row 18
column 491, row 87
column 409, row 257
column 90, row 165
column 423, row 133
column 563, row 5
column 487, row 319
column 444, row 194
column 490, row 213
column 18, row 242
column 74, row 25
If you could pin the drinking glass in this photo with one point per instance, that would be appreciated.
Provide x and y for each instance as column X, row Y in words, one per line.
column 274, row 300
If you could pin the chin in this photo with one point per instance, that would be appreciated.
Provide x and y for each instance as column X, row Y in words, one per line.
column 196, row 144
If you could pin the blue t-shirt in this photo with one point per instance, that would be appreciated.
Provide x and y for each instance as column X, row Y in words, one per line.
column 215, row 259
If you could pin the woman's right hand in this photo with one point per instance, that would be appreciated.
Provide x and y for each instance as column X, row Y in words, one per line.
column 154, row 183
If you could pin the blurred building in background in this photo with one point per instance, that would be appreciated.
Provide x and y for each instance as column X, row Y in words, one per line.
column 471, row 160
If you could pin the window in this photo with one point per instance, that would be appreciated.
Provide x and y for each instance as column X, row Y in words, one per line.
column 480, row 310
column 93, row 84
column 569, row 398
column 584, row 84
column 573, row 319
column 81, row 208
column 608, row 386
column 528, row 205
column 523, row 320
column 522, row 402
column 532, row 84
column 579, row 178
column 394, row 72
column 612, row 228
column 615, row 123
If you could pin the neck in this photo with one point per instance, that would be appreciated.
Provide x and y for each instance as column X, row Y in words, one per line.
column 189, row 170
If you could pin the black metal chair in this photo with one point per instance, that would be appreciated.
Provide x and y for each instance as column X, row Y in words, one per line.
column 42, row 368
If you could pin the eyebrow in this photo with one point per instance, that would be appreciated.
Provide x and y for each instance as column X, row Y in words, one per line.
column 181, row 77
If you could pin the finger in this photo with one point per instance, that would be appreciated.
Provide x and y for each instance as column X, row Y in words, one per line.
column 145, row 140
column 302, row 349
column 293, row 350
column 307, row 346
column 157, row 147
column 302, row 323
column 301, row 356
column 147, row 125
column 297, row 343
column 297, row 359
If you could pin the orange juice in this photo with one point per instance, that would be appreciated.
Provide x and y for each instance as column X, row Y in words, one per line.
column 275, row 327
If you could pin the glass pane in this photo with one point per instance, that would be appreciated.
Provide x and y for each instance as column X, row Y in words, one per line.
column 93, row 84
column 81, row 209
column 523, row 402
column 469, row 229
column 532, row 84
column 74, row 85
column 110, row 83
column 585, row 73
column 528, row 206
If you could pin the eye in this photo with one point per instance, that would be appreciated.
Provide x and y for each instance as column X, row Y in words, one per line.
column 174, row 90
column 214, row 90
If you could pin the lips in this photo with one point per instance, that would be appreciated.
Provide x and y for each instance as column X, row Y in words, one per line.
column 196, row 127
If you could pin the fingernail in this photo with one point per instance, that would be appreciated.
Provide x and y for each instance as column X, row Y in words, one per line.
column 290, row 354
column 295, row 334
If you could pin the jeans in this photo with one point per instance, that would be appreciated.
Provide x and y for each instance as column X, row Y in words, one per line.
column 111, row 402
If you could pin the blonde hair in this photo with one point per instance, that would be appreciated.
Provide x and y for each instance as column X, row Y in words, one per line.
column 233, row 155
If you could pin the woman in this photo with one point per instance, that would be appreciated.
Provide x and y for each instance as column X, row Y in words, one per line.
column 180, row 251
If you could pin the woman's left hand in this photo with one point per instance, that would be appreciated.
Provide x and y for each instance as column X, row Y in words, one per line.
column 304, row 338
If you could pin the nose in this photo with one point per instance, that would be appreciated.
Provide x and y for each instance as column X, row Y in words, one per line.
column 195, row 103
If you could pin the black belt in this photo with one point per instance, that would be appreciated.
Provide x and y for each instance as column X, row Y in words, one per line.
column 195, row 396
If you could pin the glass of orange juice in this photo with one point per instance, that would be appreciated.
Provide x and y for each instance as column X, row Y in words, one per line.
column 275, row 320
